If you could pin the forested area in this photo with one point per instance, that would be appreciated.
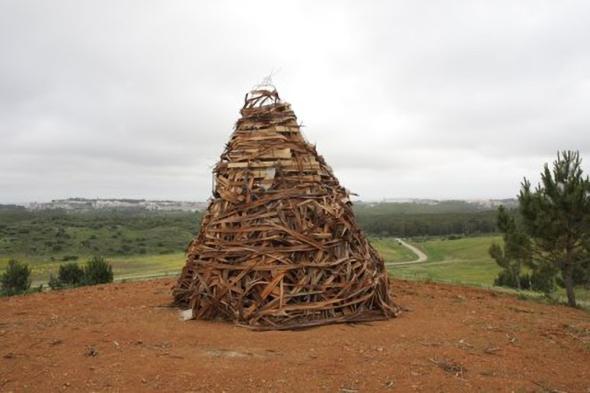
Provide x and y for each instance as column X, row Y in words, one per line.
column 66, row 235
column 430, row 224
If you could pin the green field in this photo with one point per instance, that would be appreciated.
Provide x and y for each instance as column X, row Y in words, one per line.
column 391, row 250
column 124, row 267
column 145, row 266
column 148, row 266
column 464, row 260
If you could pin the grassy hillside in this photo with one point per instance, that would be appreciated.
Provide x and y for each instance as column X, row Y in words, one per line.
column 58, row 234
column 463, row 260
column 143, row 266
column 124, row 267
column 391, row 250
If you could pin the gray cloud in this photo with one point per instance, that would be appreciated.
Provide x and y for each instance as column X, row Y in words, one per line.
column 424, row 99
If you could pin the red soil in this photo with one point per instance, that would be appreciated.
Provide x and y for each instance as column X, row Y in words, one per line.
column 123, row 337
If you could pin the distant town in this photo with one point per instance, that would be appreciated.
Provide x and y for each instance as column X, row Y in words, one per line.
column 480, row 203
column 83, row 204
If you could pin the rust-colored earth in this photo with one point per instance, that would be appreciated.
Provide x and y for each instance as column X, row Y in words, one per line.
column 124, row 337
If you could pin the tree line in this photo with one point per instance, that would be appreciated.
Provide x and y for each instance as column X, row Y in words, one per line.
column 437, row 224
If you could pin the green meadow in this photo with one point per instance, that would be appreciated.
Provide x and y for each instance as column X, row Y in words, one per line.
column 140, row 266
column 391, row 250
column 124, row 267
column 463, row 260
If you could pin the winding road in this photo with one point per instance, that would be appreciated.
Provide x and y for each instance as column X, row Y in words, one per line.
column 421, row 256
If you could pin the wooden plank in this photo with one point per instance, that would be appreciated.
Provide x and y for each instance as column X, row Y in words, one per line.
column 284, row 164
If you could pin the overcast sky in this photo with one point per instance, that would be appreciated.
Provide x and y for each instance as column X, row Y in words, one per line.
column 441, row 99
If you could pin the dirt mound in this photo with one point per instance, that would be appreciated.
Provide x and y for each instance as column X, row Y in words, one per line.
column 124, row 337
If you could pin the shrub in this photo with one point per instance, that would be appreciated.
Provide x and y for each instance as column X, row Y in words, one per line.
column 70, row 274
column 505, row 279
column 54, row 282
column 97, row 271
column 543, row 279
column 16, row 279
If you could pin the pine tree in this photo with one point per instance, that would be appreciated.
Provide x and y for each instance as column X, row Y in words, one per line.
column 556, row 215
column 516, row 252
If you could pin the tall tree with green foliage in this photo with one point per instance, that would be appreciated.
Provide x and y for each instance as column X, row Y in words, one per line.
column 516, row 252
column 556, row 215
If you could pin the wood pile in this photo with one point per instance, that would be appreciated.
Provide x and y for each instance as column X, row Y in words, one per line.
column 279, row 247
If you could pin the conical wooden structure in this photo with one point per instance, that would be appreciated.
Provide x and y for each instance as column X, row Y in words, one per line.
column 279, row 247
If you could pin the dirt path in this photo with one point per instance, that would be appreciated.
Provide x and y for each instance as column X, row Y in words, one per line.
column 124, row 337
column 421, row 256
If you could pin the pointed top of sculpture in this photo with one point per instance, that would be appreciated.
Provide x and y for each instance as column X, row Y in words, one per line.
column 260, row 97
column 262, row 94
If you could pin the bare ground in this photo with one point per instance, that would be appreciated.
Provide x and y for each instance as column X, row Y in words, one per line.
column 124, row 337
